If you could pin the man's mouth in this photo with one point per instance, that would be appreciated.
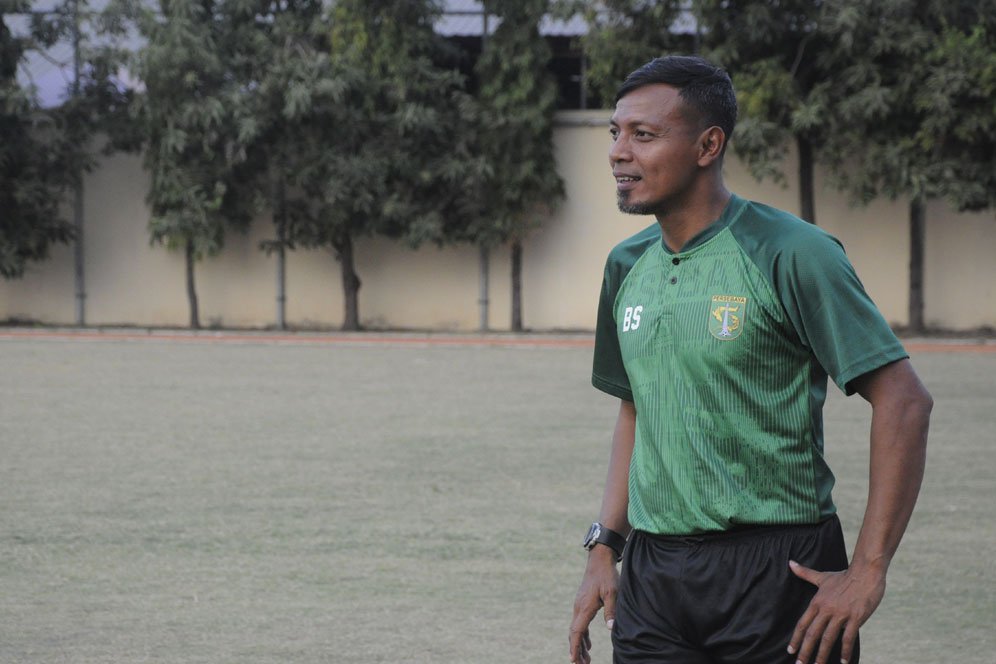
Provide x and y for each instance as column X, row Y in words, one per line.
column 626, row 182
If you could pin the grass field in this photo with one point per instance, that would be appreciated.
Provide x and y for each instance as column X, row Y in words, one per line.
column 183, row 501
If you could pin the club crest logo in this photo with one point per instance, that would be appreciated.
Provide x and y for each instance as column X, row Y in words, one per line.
column 726, row 316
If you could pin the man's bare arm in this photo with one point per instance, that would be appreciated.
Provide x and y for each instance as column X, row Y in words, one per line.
column 598, row 587
column 845, row 600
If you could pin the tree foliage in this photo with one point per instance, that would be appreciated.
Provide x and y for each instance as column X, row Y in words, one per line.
column 289, row 103
column 518, row 96
column 407, row 155
column 32, row 180
column 917, row 101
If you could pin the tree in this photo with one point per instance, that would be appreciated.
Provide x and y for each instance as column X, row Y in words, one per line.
column 915, row 113
column 518, row 97
column 192, row 149
column 32, row 180
column 97, row 103
column 396, row 153
column 278, row 55
column 291, row 112
column 771, row 48
column 45, row 151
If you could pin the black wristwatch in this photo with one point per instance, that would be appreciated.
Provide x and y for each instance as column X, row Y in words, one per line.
column 599, row 534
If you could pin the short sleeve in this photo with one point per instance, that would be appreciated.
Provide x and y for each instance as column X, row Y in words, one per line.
column 831, row 312
column 608, row 373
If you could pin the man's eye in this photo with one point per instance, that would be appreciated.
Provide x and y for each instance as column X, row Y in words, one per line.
column 614, row 133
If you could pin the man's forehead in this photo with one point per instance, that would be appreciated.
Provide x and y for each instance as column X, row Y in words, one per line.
column 648, row 104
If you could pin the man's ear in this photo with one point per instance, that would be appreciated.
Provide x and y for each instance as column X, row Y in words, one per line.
column 711, row 144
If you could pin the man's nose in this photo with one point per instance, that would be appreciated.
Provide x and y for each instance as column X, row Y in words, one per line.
column 619, row 150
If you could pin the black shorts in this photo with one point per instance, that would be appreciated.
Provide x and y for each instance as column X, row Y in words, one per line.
column 726, row 598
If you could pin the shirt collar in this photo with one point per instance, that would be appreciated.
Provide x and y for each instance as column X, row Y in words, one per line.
column 730, row 213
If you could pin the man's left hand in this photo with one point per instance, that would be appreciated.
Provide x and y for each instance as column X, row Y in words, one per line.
column 842, row 604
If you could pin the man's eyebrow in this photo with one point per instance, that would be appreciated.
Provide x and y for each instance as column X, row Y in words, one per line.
column 647, row 125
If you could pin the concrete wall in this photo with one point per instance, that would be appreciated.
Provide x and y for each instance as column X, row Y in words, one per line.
column 131, row 283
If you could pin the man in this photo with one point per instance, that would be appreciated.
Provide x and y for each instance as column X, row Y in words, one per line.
column 717, row 329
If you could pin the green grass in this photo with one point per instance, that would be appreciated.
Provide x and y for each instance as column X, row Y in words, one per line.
column 165, row 501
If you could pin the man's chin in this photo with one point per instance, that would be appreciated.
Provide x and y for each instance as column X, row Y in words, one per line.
column 629, row 207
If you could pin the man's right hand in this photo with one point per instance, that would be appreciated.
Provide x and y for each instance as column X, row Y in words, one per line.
column 598, row 589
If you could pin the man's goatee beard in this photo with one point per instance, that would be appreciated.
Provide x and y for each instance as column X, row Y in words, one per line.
column 622, row 200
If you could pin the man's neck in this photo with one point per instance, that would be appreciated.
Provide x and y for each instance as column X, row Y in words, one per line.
column 680, row 225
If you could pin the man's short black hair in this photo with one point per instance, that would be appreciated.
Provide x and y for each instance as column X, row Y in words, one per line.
column 704, row 87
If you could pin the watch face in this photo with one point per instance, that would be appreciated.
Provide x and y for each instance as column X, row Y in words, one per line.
column 593, row 533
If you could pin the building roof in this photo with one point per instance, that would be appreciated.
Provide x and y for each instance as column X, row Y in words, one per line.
column 465, row 18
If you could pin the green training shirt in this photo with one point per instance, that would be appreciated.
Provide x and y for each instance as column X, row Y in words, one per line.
column 725, row 348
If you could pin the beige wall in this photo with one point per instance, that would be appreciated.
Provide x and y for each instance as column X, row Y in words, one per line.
column 960, row 269
column 129, row 282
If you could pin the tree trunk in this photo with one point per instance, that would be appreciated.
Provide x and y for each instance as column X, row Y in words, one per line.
column 281, row 224
column 350, row 284
column 483, row 280
column 517, row 286
column 195, row 318
column 918, row 223
column 79, row 256
column 807, row 199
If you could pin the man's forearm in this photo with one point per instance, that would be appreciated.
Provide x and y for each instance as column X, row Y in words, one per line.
column 898, row 457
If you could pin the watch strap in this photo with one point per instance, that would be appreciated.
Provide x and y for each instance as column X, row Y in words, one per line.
column 599, row 534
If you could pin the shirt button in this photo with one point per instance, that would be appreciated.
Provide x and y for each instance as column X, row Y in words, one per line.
column 674, row 280
column 675, row 260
